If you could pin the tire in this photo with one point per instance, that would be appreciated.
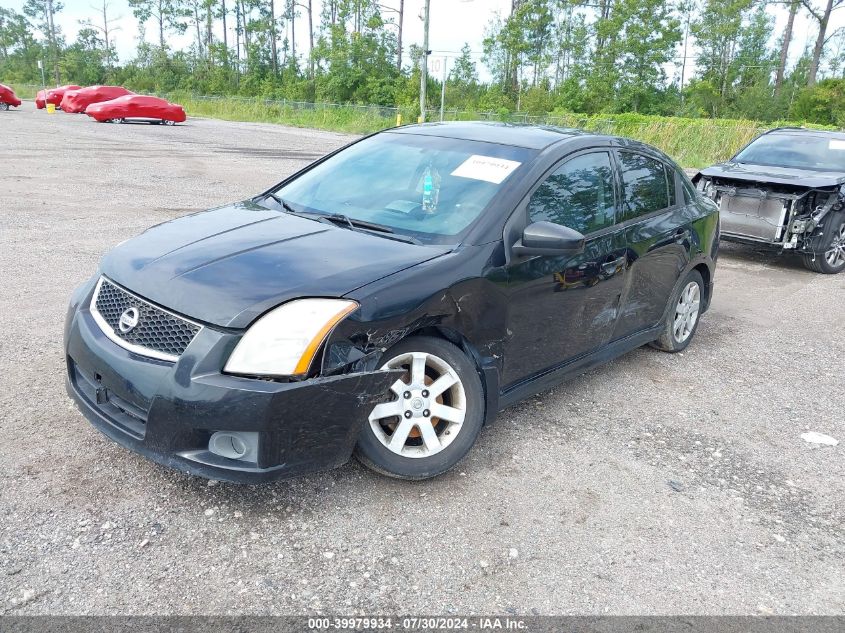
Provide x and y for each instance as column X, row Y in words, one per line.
column 687, row 296
column 831, row 258
column 4, row 107
column 167, row 122
column 431, row 444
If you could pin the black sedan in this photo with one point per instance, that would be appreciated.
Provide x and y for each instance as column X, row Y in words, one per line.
column 388, row 300
column 785, row 191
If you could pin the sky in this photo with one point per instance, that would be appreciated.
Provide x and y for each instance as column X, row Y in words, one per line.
column 453, row 23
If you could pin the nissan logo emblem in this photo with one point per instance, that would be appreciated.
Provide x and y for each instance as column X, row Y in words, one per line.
column 128, row 320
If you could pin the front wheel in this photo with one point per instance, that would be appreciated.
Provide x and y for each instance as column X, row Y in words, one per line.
column 4, row 107
column 433, row 417
column 167, row 122
column 832, row 260
column 684, row 312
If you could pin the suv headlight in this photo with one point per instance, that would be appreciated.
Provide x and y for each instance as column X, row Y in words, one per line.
column 285, row 340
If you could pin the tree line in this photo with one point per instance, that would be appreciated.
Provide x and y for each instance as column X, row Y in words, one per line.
column 695, row 58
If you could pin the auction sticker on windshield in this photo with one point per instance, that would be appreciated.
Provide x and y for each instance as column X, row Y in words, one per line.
column 487, row 168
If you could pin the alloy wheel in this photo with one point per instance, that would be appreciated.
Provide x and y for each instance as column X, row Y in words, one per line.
column 835, row 255
column 427, row 410
column 686, row 312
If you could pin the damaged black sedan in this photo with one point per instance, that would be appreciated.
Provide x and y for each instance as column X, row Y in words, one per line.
column 388, row 300
column 786, row 191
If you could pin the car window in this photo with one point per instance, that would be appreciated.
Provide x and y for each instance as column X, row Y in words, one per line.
column 802, row 150
column 670, row 180
column 431, row 188
column 689, row 189
column 644, row 184
column 579, row 194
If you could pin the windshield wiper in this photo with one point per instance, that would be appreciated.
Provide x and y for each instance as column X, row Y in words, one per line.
column 281, row 202
column 370, row 227
column 340, row 219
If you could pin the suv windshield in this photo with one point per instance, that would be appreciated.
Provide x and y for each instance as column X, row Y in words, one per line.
column 430, row 188
column 802, row 151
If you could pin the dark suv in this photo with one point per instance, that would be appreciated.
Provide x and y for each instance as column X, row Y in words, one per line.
column 785, row 191
column 388, row 300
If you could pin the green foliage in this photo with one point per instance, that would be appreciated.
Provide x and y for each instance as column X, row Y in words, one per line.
column 607, row 59
column 823, row 103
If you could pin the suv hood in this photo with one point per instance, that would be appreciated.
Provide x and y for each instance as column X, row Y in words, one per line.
column 229, row 265
column 809, row 178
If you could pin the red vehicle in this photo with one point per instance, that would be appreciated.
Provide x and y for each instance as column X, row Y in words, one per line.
column 75, row 101
column 151, row 109
column 53, row 95
column 8, row 98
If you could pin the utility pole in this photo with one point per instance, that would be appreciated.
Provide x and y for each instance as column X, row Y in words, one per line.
column 424, row 61
column 225, row 35
column 51, row 25
column 684, row 60
column 443, row 90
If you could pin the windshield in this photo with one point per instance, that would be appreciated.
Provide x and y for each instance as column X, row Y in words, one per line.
column 802, row 151
column 430, row 188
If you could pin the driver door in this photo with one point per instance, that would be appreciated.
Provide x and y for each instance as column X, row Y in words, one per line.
column 560, row 308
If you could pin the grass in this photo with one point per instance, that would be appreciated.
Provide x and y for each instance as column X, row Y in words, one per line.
column 351, row 119
column 691, row 142
column 25, row 91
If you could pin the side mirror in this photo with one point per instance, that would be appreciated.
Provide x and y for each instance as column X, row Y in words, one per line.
column 548, row 238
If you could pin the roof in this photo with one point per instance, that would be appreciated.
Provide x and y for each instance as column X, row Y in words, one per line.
column 518, row 135
column 807, row 131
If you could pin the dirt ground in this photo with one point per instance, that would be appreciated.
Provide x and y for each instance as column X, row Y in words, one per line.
column 657, row 484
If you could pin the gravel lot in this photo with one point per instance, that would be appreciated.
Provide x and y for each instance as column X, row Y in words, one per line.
column 657, row 484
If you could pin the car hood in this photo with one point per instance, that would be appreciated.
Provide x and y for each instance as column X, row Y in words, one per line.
column 776, row 175
column 229, row 265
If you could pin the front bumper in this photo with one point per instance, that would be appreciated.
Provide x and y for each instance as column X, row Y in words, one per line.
column 168, row 411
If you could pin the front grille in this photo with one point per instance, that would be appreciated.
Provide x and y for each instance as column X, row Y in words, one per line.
column 158, row 333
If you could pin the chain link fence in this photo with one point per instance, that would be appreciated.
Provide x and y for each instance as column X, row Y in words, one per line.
column 692, row 142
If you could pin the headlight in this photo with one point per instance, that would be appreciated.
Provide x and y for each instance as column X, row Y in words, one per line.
column 284, row 341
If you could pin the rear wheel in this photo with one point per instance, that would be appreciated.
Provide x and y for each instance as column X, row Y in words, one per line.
column 832, row 260
column 684, row 312
column 433, row 417
column 4, row 107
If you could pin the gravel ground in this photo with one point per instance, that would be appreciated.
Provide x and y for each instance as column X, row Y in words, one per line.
column 657, row 484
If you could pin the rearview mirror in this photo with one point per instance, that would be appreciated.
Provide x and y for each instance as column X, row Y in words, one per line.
column 548, row 238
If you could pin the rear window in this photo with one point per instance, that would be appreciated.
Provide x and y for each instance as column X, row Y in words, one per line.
column 801, row 151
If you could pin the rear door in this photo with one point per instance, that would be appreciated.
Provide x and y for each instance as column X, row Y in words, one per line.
column 564, row 307
column 657, row 234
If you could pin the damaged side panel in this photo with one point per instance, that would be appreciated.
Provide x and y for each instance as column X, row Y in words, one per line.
column 392, row 309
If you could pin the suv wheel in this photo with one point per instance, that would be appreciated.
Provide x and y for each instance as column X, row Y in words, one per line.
column 434, row 415
column 684, row 312
column 832, row 260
